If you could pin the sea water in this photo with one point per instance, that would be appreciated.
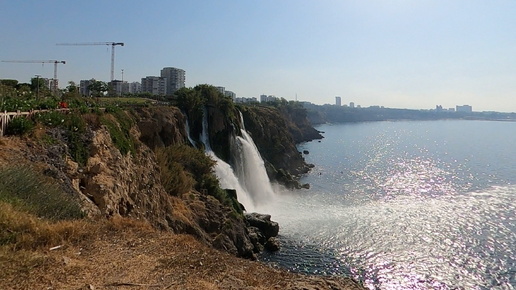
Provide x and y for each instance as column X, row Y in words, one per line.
column 405, row 205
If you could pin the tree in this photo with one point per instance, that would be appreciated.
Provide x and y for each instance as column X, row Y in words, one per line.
column 98, row 88
column 72, row 87
column 37, row 85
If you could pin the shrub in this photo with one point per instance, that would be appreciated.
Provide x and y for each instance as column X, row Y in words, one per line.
column 174, row 178
column 184, row 168
column 119, row 125
column 51, row 118
column 31, row 191
column 19, row 126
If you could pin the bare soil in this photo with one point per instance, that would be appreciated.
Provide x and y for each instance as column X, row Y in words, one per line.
column 143, row 258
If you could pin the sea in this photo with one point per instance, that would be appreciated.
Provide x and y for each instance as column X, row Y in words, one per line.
column 405, row 205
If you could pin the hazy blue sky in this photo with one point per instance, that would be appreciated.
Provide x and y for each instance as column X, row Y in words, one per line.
column 395, row 53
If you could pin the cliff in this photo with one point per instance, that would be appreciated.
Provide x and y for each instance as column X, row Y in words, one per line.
column 137, row 164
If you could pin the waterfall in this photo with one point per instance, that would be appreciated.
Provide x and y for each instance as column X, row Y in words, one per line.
column 223, row 170
column 250, row 168
column 187, row 128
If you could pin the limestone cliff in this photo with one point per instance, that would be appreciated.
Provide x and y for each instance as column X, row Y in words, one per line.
column 121, row 173
column 276, row 133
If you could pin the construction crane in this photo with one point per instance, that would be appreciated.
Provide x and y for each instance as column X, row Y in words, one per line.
column 55, row 62
column 113, row 44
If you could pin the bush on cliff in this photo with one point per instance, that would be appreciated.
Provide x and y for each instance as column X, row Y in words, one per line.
column 184, row 168
column 28, row 190
column 19, row 126
column 119, row 125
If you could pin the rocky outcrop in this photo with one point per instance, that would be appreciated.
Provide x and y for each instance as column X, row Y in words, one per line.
column 262, row 231
column 161, row 126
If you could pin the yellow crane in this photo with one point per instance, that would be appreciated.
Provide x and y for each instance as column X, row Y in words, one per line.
column 55, row 86
column 113, row 44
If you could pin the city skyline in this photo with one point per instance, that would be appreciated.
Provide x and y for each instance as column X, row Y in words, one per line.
column 404, row 54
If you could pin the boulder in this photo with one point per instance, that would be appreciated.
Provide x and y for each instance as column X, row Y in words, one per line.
column 263, row 223
column 272, row 244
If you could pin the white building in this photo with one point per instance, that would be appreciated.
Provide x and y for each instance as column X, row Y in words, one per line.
column 230, row 94
column 155, row 85
column 175, row 79
column 246, row 100
column 135, row 88
column 265, row 98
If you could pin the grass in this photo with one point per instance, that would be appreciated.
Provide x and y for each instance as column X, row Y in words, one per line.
column 127, row 101
column 28, row 190
column 119, row 124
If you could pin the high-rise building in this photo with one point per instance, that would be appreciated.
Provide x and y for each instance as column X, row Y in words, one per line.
column 84, row 87
column 135, row 88
column 175, row 79
column 115, row 87
column 338, row 101
column 155, row 85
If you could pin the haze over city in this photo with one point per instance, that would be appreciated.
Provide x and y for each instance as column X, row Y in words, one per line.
column 401, row 53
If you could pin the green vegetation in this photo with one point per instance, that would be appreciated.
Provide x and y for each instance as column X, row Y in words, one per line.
column 32, row 192
column 119, row 124
column 121, row 101
column 184, row 168
column 19, row 126
column 222, row 115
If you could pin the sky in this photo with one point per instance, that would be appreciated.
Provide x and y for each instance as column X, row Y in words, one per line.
column 412, row 54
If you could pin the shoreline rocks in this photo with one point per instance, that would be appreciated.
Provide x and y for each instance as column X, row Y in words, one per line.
column 262, row 232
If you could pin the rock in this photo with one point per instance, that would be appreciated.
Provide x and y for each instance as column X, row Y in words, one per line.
column 257, row 239
column 272, row 244
column 263, row 223
column 306, row 152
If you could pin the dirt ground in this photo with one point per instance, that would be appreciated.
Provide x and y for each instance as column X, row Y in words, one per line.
column 144, row 258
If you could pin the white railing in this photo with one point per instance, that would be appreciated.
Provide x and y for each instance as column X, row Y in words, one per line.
column 7, row 117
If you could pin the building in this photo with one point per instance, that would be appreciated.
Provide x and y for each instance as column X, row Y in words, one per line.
column 351, row 104
column 464, row 109
column 222, row 90
column 175, row 79
column 119, row 88
column 338, row 101
column 265, row 98
column 156, row 86
column 135, row 88
column 246, row 100
column 84, row 87
column 231, row 95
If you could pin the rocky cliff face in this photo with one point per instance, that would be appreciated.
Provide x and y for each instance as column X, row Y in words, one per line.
column 110, row 183
column 276, row 133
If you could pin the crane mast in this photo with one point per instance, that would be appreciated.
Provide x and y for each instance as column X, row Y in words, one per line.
column 55, row 86
column 113, row 44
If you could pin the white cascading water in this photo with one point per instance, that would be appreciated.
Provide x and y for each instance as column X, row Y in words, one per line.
column 187, row 127
column 250, row 168
column 224, row 172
